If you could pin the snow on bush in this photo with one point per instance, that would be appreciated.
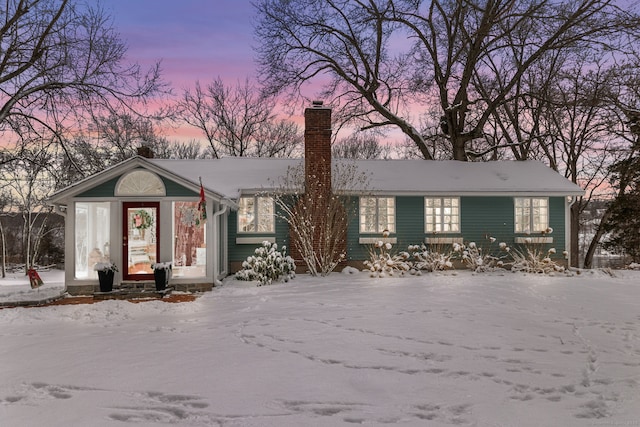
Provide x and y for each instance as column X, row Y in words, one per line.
column 430, row 259
column 533, row 258
column 350, row 270
column 384, row 262
column 482, row 260
column 268, row 265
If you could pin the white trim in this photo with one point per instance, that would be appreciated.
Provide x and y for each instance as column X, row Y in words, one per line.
column 534, row 240
column 440, row 217
column 377, row 199
column 254, row 240
column 568, row 203
column 532, row 215
column 443, row 240
column 374, row 240
column 216, row 234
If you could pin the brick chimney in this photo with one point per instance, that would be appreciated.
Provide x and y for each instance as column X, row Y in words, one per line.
column 317, row 147
column 145, row 151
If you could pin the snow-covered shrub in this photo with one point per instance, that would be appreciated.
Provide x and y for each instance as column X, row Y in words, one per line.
column 384, row 262
column 482, row 260
column 350, row 270
column 533, row 258
column 431, row 259
column 268, row 265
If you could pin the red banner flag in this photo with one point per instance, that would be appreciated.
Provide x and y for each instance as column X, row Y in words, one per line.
column 202, row 206
column 34, row 278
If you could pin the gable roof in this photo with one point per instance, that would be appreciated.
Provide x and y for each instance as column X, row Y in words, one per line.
column 229, row 177
column 120, row 169
column 233, row 176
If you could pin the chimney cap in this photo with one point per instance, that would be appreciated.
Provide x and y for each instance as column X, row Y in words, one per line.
column 316, row 103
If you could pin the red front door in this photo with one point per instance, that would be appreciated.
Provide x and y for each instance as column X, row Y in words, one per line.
column 140, row 231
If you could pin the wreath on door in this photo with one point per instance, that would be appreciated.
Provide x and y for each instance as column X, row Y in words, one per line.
column 142, row 220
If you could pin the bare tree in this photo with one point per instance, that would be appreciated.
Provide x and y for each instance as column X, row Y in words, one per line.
column 624, row 172
column 359, row 146
column 239, row 121
column 379, row 59
column 191, row 149
column 28, row 181
column 61, row 61
column 120, row 135
column 5, row 207
column 318, row 216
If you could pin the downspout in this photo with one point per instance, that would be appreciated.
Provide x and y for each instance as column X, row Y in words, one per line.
column 571, row 200
column 216, row 261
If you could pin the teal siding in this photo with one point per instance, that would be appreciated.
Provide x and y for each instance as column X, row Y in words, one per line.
column 240, row 252
column 557, row 222
column 107, row 189
column 176, row 190
column 480, row 218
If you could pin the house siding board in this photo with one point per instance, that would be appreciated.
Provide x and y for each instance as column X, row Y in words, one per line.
column 409, row 228
column 483, row 217
column 240, row 252
column 176, row 190
column 480, row 217
column 107, row 189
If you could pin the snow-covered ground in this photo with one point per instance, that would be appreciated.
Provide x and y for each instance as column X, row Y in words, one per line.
column 15, row 287
column 436, row 350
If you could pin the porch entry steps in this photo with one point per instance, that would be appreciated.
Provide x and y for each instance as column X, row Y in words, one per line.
column 120, row 293
column 136, row 285
column 133, row 289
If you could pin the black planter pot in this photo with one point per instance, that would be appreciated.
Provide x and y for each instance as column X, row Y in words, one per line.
column 161, row 277
column 106, row 280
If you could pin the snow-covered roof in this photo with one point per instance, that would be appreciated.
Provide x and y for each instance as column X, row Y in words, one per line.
column 233, row 176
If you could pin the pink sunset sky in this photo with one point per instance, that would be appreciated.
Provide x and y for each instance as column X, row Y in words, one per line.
column 194, row 39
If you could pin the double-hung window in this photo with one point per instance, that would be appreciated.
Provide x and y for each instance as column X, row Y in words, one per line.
column 531, row 214
column 442, row 214
column 377, row 214
column 256, row 214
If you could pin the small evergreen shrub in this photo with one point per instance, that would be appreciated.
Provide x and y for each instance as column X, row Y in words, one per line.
column 268, row 265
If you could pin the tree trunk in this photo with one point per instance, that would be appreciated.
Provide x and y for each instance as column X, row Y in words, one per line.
column 588, row 257
column 3, row 252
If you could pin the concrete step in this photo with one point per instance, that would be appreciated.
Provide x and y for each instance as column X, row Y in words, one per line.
column 132, row 294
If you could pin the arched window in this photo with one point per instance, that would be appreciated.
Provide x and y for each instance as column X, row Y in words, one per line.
column 140, row 183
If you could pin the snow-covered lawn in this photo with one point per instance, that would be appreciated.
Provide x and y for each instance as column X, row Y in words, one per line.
column 435, row 350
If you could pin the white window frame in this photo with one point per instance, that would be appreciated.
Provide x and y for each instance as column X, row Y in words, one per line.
column 257, row 215
column 531, row 214
column 388, row 223
column 91, row 237
column 440, row 218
